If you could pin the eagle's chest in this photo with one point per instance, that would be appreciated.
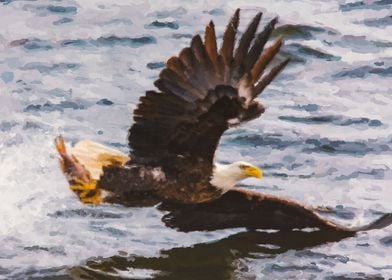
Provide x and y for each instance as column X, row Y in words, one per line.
column 189, row 183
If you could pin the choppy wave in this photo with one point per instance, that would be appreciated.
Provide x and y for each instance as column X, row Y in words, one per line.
column 35, row 44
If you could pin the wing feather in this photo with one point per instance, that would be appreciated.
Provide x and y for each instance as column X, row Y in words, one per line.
column 203, row 92
column 258, row 45
column 229, row 38
column 244, row 45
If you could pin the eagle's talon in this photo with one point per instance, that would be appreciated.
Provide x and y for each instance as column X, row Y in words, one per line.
column 87, row 191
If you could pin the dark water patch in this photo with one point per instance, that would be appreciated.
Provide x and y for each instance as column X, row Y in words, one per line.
column 182, row 35
column 156, row 65
column 374, row 173
column 35, row 126
column 366, row 245
column 121, row 146
column 270, row 166
column 331, row 119
column 386, row 241
column 5, row 2
column 361, row 44
column 340, row 211
column 294, row 57
column 163, row 24
column 310, row 52
column 306, row 107
column 74, row 42
column 378, row 22
column 355, row 276
column 19, row 42
column 288, row 268
column 82, row 213
column 279, row 175
column 364, row 71
column 358, row 148
column 51, row 107
column 45, row 10
column 271, row 140
column 312, row 145
column 55, row 250
column 124, row 21
column 62, row 21
column 316, row 255
column 54, row 273
column 104, row 102
column 304, row 32
column 7, row 125
column 113, row 40
column 62, row 9
column 170, row 13
column 7, row 76
column 33, row 44
column 376, row 5
column 60, row 92
column 382, row 44
column 111, row 231
column 215, row 12
column 47, row 69
column 110, row 41
column 375, row 212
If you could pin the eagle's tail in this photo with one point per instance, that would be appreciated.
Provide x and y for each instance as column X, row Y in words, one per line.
column 83, row 165
column 95, row 156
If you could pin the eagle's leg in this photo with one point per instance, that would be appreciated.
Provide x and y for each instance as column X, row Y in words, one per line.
column 78, row 176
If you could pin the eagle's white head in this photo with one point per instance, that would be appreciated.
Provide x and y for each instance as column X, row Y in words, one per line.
column 225, row 177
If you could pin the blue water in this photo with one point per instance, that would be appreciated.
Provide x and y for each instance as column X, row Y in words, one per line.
column 78, row 68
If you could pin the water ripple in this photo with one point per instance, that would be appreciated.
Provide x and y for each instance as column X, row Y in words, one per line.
column 41, row 11
column 62, row 21
column 124, row 41
column 300, row 50
column 46, row 69
column 314, row 145
column 155, row 65
column 51, row 107
column 316, row 255
column 358, row 148
column 84, row 212
column 374, row 5
column 332, row 119
column 376, row 173
column 364, row 71
column 35, row 44
column 291, row 31
column 163, row 24
column 306, row 107
column 287, row 268
column 55, row 250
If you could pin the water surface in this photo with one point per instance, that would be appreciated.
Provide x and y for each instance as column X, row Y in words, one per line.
column 78, row 68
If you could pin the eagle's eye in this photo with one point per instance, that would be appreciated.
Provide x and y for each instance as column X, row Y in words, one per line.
column 243, row 166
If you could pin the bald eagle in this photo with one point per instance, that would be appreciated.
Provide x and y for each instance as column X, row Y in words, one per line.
column 201, row 93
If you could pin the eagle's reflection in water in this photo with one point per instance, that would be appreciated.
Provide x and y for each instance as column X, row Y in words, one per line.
column 214, row 260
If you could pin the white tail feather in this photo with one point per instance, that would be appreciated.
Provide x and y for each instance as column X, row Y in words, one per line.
column 95, row 156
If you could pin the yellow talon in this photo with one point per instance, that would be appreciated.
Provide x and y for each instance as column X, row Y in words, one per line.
column 87, row 191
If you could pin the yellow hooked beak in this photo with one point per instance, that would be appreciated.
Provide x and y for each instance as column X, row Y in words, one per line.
column 253, row 171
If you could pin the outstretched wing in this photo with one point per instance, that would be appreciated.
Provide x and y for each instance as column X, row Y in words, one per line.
column 204, row 91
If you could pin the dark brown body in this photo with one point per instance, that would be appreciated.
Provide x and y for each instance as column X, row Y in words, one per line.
column 183, row 181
